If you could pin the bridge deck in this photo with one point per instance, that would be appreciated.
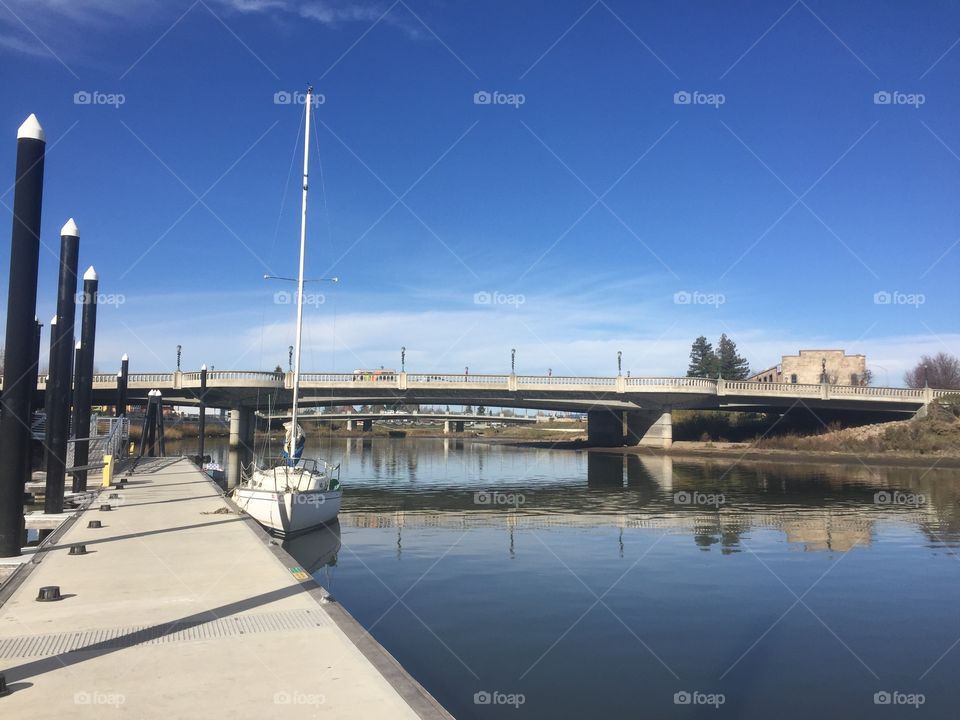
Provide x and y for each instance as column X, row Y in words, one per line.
column 181, row 609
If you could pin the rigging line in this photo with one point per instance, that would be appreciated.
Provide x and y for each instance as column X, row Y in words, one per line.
column 286, row 188
column 323, row 189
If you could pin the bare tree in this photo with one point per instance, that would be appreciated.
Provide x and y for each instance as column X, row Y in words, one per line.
column 940, row 371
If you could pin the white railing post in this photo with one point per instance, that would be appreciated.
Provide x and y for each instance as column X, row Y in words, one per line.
column 402, row 381
column 511, row 382
column 621, row 384
column 178, row 380
column 721, row 386
column 288, row 381
column 825, row 391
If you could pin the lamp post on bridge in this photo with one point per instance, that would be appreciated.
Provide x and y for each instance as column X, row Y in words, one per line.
column 926, row 376
column 619, row 363
column 403, row 359
column 513, row 361
column 290, row 357
column 179, row 349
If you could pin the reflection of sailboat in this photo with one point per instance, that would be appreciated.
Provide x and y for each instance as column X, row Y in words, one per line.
column 289, row 494
column 316, row 550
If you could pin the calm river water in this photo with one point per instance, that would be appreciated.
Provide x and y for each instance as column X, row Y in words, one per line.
column 527, row 583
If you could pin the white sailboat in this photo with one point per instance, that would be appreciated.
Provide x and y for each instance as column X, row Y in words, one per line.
column 290, row 495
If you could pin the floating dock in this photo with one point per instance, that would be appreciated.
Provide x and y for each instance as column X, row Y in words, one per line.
column 183, row 608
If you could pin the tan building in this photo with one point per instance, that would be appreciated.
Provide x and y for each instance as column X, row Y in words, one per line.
column 810, row 367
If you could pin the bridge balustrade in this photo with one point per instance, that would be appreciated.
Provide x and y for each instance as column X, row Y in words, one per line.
column 564, row 380
column 459, row 378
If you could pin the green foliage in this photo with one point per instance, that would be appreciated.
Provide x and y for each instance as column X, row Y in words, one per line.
column 731, row 365
column 703, row 361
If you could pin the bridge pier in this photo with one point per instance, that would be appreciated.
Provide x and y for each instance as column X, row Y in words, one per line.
column 458, row 426
column 650, row 427
column 367, row 425
column 242, row 425
column 349, row 425
column 446, row 427
column 605, row 428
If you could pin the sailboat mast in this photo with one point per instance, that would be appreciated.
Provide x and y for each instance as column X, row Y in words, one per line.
column 303, row 247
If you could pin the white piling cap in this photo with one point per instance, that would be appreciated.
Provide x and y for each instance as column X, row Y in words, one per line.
column 90, row 274
column 124, row 357
column 78, row 345
column 31, row 130
column 70, row 229
column 203, row 367
column 119, row 373
column 53, row 320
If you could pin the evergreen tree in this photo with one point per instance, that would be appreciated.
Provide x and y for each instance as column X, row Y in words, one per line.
column 730, row 365
column 703, row 361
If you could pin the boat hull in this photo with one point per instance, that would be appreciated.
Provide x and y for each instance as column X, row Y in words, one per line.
column 289, row 513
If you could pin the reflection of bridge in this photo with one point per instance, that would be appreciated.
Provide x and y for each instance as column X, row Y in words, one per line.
column 631, row 410
column 452, row 422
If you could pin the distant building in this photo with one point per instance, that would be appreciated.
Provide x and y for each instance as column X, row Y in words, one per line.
column 810, row 367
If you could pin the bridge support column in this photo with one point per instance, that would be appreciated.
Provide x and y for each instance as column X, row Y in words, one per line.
column 446, row 427
column 650, row 428
column 241, row 442
column 349, row 425
column 605, row 428
column 367, row 425
column 458, row 426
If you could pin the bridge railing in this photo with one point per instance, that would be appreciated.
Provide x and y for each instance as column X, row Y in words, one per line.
column 866, row 391
column 458, row 378
column 565, row 380
column 165, row 378
column 327, row 377
column 707, row 384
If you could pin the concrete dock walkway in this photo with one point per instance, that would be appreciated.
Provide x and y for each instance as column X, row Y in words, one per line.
column 184, row 609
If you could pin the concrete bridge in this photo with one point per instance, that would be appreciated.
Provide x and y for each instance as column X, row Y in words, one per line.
column 452, row 422
column 620, row 410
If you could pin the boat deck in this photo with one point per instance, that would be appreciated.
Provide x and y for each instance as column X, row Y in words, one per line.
column 184, row 609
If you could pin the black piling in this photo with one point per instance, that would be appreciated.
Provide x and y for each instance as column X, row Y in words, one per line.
column 21, row 311
column 203, row 410
column 123, row 378
column 59, row 382
column 27, row 469
column 83, row 378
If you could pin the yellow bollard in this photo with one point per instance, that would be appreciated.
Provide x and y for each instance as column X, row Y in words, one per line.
column 107, row 471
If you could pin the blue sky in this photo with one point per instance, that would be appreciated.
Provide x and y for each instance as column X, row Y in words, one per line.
column 778, row 202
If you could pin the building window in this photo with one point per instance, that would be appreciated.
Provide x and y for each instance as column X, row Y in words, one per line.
column 793, row 378
column 854, row 380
